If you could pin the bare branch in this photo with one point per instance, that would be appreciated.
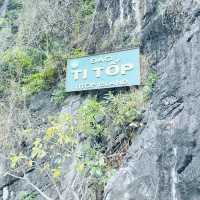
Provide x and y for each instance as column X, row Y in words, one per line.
column 30, row 183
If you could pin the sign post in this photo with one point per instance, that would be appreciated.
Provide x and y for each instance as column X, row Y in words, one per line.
column 110, row 70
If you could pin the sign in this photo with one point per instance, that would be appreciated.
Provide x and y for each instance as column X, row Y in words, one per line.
column 110, row 70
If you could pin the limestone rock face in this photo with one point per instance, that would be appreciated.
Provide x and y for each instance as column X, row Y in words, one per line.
column 163, row 162
column 116, row 25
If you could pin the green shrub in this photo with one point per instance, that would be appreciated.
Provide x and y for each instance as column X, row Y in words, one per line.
column 23, row 58
column 2, row 89
column 87, row 7
column 37, row 56
column 91, row 111
column 49, row 76
column 135, row 41
column 25, row 66
column 14, row 64
column 3, row 22
column 76, row 53
column 59, row 60
column 54, row 60
column 17, row 57
column 59, row 94
column 123, row 109
column 34, row 69
column 33, row 84
column 38, row 81
column 149, row 85
column 26, row 196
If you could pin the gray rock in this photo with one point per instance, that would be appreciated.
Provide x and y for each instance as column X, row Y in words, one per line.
column 114, row 26
column 163, row 162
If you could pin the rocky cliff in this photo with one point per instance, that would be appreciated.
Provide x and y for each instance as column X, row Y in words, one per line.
column 162, row 162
